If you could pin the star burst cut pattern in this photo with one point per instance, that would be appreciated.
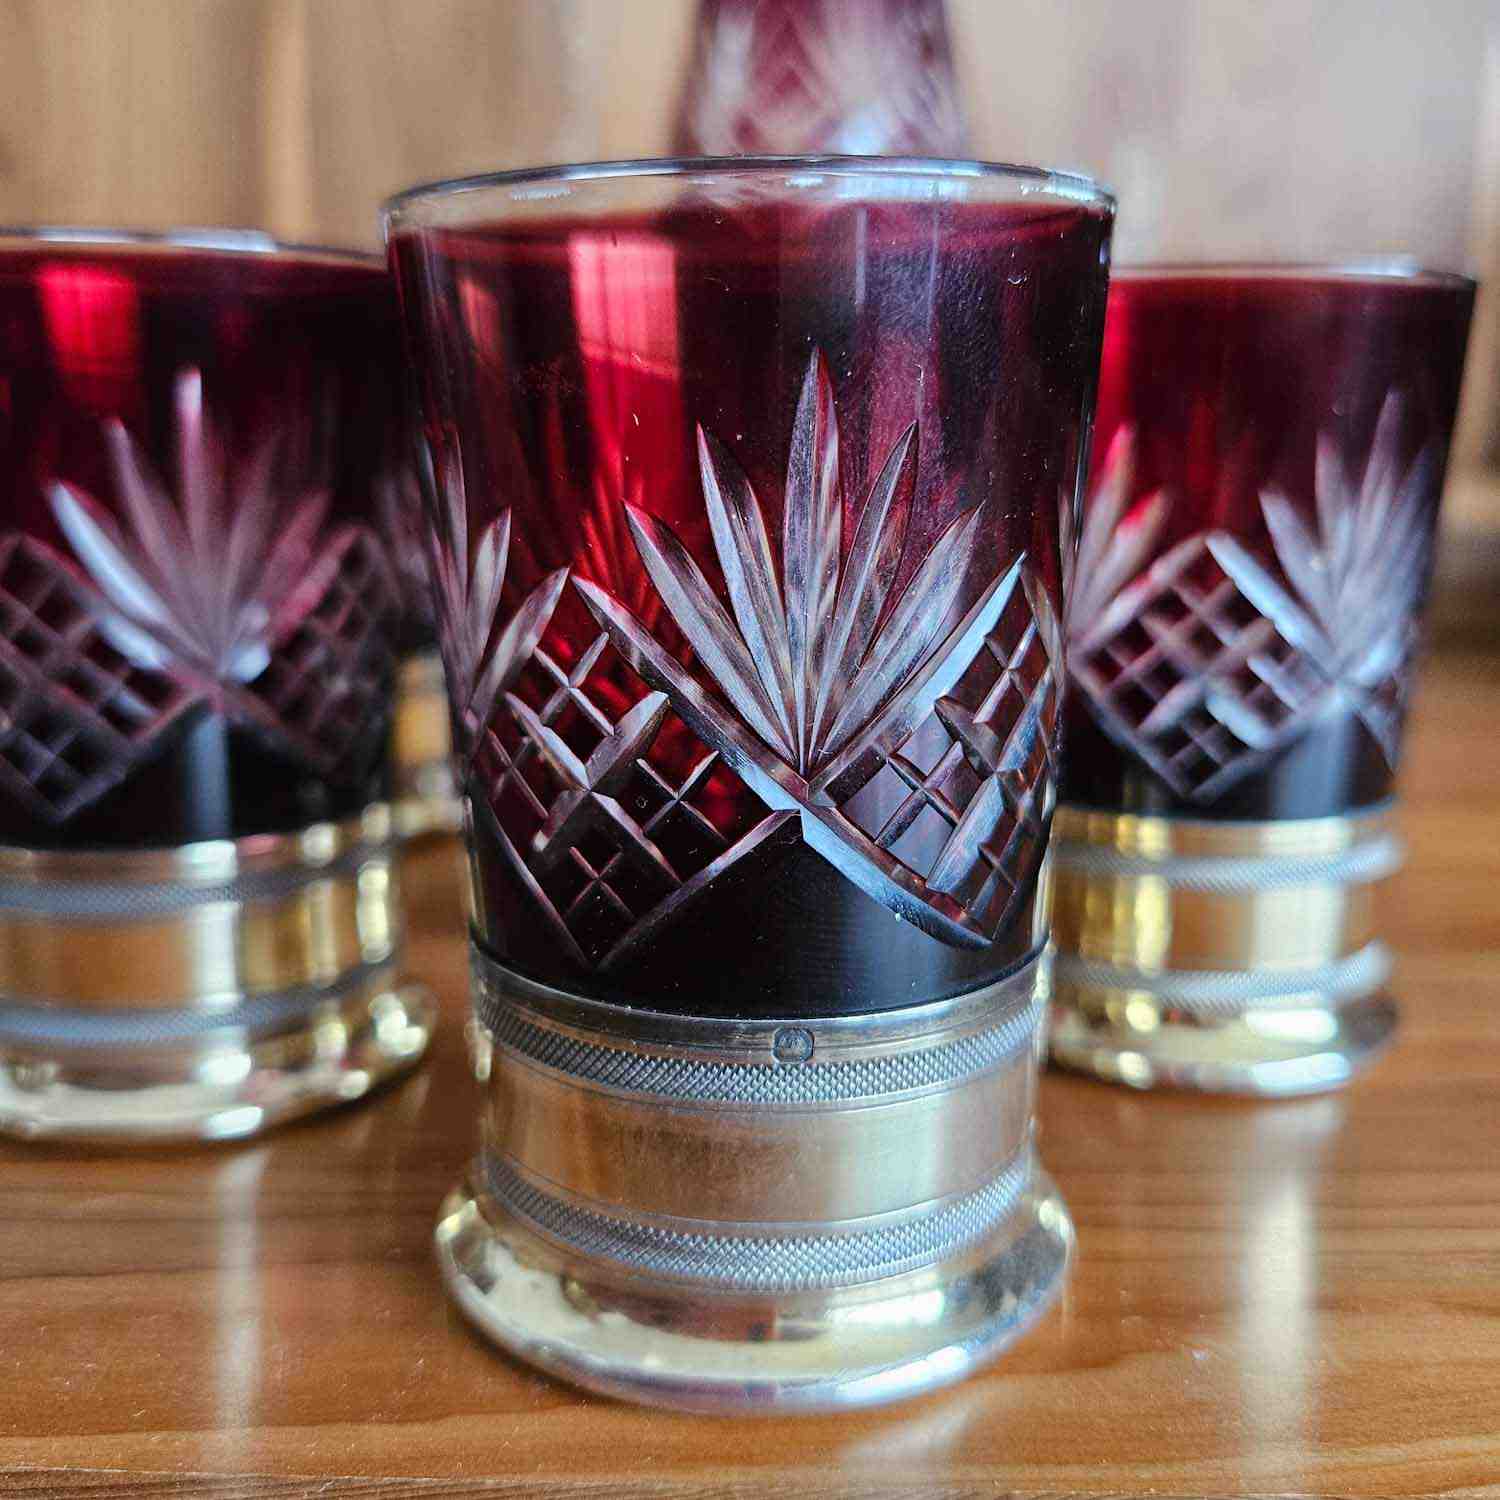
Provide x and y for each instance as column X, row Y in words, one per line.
column 205, row 587
column 244, row 596
column 915, row 751
column 1210, row 661
column 1359, row 579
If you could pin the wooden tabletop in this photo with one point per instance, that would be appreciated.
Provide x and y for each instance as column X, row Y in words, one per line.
column 1268, row 1297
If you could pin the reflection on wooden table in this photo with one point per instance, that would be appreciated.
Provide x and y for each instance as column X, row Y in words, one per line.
column 1296, row 1296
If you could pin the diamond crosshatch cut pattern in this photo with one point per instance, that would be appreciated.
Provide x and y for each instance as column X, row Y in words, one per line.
column 75, row 715
column 981, row 769
column 1184, row 669
column 915, row 754
column 1208, row 663
column 234, row 595
column 330, row 679
column 611, row 837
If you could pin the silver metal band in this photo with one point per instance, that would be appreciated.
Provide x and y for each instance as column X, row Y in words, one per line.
column 33, row 1026
column 1364, row 862
column 773, row 1062
column 763, row 1155
column 204, row 865
column 85, row 900
column 1233, row 956
column 252, row 926
column 203, row 990
column 766, row 1257
column 1214, row 994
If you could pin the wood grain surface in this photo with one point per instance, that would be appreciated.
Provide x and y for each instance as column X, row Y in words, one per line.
column 1279, row 1297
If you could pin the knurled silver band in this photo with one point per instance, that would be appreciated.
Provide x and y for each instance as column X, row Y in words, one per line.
column 1225, row 994
column 38, row 1026
column 781, row 1067
column 85, row 901
column 765, row 1258
column 1232, row 874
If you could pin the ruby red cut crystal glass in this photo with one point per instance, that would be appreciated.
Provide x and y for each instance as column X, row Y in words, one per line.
column 749, row 575
column 1251, row 567
column 201, row 602
column 197, row 608
column 1257, row 537
column 747, row 486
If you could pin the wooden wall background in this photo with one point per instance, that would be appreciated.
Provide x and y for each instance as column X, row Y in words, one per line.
column 1307, row 128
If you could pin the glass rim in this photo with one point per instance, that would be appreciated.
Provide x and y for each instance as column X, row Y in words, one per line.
column 1397, row 268
column 246, row 243
column 1073, row 187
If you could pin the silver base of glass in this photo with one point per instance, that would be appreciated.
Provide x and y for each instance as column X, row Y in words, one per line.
column 1266, row 1054
column 206, row 991
column 676, row 1345
column 1232, row 958
column 755, row 1214
column 222, row 1085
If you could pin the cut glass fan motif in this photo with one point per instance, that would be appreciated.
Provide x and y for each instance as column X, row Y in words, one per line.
column 1210, row 661
column 914, row 752
column 480, row 656
column 233, row 598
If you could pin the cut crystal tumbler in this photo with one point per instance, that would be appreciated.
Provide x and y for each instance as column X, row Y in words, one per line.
column 199, row 918
column 1254, row 551
column 745, row 521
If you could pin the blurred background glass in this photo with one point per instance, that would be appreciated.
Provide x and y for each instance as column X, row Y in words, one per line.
column 1270, row 130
